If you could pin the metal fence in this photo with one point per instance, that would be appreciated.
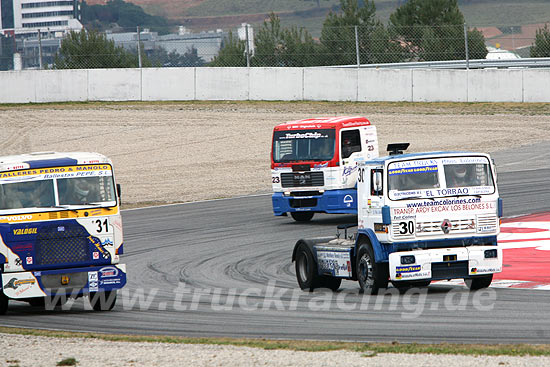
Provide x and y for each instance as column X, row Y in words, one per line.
column 256, row 46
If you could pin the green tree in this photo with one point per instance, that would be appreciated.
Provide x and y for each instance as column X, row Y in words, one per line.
column 232, row 52
column 434, row 30
column 126, row 15
column 276, row 46
column 92, row 50
column 7, row 45
column 541, row 46
column 160, row 57
column 338, row 36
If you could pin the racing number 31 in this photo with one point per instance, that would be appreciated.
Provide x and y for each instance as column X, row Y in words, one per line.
column 102, row 226
column 406, row 227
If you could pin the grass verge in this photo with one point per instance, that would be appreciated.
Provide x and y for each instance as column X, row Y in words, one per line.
column 368, row 349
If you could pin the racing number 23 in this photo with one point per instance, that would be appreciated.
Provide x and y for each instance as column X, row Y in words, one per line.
column 406, row 227
column 102, row 225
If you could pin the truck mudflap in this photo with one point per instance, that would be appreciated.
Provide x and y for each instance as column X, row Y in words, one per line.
column 334, row 260
column 73, row 282
column 445, row 263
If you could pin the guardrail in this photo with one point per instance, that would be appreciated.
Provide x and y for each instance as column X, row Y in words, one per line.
column 535, row 62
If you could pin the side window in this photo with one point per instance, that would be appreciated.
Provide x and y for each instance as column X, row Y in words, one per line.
column 351, row 142
column 376, row 186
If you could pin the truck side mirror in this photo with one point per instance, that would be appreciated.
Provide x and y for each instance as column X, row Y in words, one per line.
column 377, row 182
column 118, row 191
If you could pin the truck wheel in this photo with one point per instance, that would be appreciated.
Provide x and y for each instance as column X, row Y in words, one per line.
column 302, row 216
column 479, row 282
column 371, row 275
column 102, row 301
column 306, row 269
column 3, row 303
column 331, row 283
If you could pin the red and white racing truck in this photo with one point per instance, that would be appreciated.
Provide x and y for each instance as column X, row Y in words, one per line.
column 314, row 164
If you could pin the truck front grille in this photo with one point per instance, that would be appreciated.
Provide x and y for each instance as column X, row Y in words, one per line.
column 302, row 179
column 487, row 223
column 457, row 226
column 62, row 244
column 303, row 203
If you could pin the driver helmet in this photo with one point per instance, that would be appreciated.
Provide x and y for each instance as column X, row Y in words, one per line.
column 81, row 187
column 460, row 171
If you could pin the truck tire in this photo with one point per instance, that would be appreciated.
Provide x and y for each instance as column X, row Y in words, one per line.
column 306, row 269
column 371, row 275
column 3, row 303
column 103, row 301
column 331, row 283
column 479, row 282
column 302, row 216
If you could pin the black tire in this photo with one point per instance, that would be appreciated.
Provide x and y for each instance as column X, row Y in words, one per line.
column 371, row 275
column 103, row 301
column 306, row 269
column 479, row 282
column 302, row 216
column 331, row 283
column 4, row 300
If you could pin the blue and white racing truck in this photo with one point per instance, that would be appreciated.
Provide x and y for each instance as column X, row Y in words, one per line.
column 421, row 217
column 60, row 229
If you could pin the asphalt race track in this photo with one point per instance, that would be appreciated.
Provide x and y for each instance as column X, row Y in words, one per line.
column 223, row 268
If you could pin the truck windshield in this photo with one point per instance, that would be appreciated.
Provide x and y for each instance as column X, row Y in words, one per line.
column 35, row 189
column 303, row 145
column 429, row 178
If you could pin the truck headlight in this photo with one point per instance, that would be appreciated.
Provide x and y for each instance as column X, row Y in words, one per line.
column 407, row 259
column 490, row 254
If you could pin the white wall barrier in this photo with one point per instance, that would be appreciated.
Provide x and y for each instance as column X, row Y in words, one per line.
column 287, row 84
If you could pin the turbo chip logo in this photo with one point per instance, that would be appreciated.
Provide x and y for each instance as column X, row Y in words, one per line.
column 14, row 283
column 446, row 226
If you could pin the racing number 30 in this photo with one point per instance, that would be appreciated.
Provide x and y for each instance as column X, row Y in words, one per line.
column 406, row 227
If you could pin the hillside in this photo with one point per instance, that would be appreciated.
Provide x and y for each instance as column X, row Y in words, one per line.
column 210, row 14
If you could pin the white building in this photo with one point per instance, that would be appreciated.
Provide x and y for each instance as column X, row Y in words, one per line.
column 29, row 16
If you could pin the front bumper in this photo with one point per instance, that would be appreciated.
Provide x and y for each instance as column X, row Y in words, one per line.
column 331, row 201
column 445, row 263
column 73, row 282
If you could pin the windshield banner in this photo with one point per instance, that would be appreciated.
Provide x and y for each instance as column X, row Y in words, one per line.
column 56, row 172
column 306, row 135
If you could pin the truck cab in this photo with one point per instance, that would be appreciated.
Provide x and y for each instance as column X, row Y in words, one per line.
column 421, row 217
column 314, row 165
column 60, row 229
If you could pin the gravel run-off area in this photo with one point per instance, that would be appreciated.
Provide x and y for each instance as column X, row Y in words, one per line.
column 181, row 152
column 170, row 152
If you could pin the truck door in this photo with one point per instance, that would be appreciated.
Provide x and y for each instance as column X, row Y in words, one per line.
column 350, row 152
column 350, row 143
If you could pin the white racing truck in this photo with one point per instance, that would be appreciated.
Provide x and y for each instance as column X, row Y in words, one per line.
column 421, row 217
